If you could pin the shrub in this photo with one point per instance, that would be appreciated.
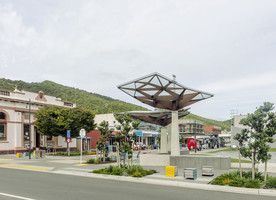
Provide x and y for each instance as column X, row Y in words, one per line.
column 91, row 161
column 117, row 171
column 271, row 182
column 248, row 175
column 218, row 181
column 236, row 183
column 108, row 159
column 135, row 171
column 137, row 174
column 253, row 183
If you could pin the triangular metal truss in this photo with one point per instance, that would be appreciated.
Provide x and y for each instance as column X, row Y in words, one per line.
column 159, row 91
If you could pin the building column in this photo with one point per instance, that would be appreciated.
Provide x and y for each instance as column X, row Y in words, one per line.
column 169, row 138
column 175, row 149
column 164, row 141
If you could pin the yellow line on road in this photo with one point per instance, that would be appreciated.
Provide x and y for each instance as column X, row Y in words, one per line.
column 24, row 167
column 5, row 159
column 81, row 164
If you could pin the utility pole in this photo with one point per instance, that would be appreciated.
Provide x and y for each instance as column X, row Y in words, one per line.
column 29, row 128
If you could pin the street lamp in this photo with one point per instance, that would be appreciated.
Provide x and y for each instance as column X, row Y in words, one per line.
column 82, row 134
column 30, row 127
column 195, row 135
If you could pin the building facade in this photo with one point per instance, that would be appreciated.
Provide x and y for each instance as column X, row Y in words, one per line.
column 17, row 129
column 189, row 128
column 145, row 135
column 213, row 130
column 236, row 127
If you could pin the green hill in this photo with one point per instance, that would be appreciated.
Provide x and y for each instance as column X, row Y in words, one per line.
column 98, row 103
column 225, row 125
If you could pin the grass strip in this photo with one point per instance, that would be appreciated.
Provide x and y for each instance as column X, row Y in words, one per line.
column 235, row 160
column 221, row 150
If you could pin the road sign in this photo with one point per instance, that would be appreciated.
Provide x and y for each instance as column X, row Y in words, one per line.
column 68, row 133
column 82, row 132
column 68, row 140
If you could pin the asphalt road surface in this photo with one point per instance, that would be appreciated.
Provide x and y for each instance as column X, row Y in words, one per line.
column 31, row 185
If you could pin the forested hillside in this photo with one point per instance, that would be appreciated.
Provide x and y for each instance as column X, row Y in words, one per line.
column 98, row 103
column 95, row 102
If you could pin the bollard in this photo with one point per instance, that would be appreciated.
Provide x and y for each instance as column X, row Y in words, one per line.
column 18, row 155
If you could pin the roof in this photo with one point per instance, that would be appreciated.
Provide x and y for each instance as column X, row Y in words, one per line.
column 162, row 118
column 159, row 91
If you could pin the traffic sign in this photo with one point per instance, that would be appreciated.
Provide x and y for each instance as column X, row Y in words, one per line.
column 82, row 132
column 68, row 140
column 68, row 133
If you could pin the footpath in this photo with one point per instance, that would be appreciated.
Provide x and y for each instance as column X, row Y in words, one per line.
column 72, row 166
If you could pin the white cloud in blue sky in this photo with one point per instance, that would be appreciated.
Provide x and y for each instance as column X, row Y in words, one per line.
column 225, row 47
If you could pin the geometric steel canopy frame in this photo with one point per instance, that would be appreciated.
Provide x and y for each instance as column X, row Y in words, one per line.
column 159, row 91
column 161, row 118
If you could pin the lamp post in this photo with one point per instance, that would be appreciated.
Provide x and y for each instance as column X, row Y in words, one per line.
column 30, row 102
column 195, row 135
column 29, row 128
column 82, row 134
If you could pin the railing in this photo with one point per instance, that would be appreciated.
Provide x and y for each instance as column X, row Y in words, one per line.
column 5, row 93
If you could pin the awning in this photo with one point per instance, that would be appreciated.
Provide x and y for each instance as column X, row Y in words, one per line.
column 87, row 137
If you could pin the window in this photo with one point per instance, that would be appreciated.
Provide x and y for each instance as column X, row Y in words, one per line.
column 2, row 116
column 3, row 126
column 49, row 138
column 2, row 131
column 26, row 132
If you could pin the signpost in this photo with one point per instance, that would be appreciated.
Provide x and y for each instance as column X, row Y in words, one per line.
column 82, row 134
column 68, row 141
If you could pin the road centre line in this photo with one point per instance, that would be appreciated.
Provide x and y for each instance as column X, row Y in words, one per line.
column 14, row 196
column 14, row 166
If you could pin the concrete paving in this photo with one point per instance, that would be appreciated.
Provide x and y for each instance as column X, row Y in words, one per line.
column 71, row 166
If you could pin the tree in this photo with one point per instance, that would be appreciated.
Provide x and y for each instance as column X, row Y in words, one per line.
column 241, row 138
column 105, row 135
column 54, row 121
column 261, row 129
column 127, row 124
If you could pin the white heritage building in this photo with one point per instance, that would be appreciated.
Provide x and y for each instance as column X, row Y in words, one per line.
column 17, row 110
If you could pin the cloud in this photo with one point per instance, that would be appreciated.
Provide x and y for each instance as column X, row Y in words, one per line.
column 221, row 46
column 256, row 81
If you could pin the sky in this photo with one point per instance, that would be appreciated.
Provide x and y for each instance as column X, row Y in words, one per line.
column 223, row 47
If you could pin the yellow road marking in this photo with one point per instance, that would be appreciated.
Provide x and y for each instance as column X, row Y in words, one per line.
column 81, row 164
column 24, row 167
column 5, row 159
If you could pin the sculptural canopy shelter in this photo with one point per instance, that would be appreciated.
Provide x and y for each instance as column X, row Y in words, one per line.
column 159, row 91
column 161, row 118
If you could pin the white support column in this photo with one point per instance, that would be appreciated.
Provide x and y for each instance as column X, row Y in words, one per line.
column 175, row 149
column 164, row 141
column 169, row 138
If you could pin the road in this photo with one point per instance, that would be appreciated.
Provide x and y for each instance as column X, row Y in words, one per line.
column 48, row 186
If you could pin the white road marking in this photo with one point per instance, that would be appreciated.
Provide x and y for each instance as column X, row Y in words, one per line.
column 14, row 196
